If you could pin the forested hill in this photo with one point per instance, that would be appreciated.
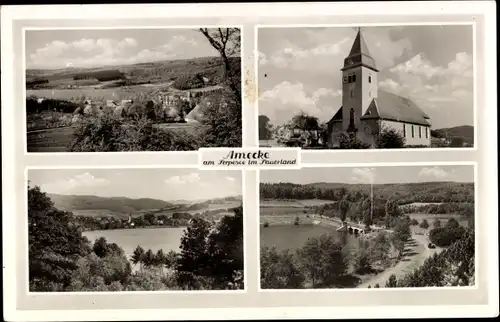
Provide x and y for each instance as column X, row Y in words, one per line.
column 465, row 131
column 403, row 193
column 126, row 205
column 116, row 204
column 168, row 70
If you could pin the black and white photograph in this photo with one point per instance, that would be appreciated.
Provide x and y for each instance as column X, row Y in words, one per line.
column 387, row 87
column 370, row 227
column 115, row 230
column 126, row 90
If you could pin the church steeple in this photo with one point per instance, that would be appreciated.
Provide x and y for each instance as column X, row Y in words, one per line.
column 359, row 54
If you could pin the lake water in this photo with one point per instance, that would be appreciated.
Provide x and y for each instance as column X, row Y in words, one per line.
column 294, row 237
column 149, row 238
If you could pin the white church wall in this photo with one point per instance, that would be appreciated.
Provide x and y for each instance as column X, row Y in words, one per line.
column 419, row 136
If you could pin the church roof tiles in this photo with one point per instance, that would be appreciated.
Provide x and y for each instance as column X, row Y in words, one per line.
column 391, row 107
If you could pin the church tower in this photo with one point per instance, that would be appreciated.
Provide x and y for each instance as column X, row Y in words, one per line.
column 359, row 84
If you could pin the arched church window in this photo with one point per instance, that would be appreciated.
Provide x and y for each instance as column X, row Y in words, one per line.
column 404, row 130
column 354, row 78
column 350, row 79
column 351, row 117
column 369, row 79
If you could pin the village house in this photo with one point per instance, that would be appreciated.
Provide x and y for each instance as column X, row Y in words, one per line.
column 367, row 110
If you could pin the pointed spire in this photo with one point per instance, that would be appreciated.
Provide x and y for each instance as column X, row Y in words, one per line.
column 359, row 46
column 359, row 54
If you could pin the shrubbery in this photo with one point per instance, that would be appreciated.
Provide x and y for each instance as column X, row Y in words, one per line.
column 445, row 236
column 60, row 259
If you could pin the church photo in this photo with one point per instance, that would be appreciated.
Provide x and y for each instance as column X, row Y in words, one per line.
column 366, row 87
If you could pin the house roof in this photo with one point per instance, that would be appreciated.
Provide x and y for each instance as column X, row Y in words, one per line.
column 359, row 54
column 391, row 107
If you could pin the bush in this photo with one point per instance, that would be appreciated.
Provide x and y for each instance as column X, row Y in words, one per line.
column 266, row 224
column 414, row 222
column 390, row 139
column 185, row 82
column 351, row 141
column 107, row 134
column 424, row 224
column 445, row 236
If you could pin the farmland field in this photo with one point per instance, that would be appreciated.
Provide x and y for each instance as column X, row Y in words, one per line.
column 50, row 140
column 107, row 94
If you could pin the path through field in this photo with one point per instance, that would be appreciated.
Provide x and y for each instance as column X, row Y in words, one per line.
column 416, row 253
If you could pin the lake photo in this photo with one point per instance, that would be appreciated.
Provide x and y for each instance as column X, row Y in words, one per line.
column 166, row 239
column 172, row 229
column 183, row 85
column 385, row 226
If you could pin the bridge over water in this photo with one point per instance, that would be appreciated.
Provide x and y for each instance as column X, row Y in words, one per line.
column 351, row 228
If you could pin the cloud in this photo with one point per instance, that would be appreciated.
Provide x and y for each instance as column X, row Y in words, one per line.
column 188, row 178
column 90, row 52
column 434, row 172
column 286, row 99
column 83, row 180
column 363, row 175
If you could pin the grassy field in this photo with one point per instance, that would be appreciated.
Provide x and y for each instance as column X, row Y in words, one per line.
column 50, row 140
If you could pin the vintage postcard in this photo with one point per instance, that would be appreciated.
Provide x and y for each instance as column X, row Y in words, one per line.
column 90, row 230
column 391, row 226
column 122, row 90
column 249, row 161
column 386, row 87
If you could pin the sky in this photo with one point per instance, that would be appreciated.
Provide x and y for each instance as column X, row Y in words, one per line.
column 299, row 69
column 376, row 175
column 163, row 184
column 51, row 49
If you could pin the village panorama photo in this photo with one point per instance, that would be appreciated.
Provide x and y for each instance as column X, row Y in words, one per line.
column 369, row 87
column 383, row 226
column 90, row 230
column 121, row 90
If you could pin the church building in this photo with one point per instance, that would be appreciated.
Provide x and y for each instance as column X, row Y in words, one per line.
column 366, row 110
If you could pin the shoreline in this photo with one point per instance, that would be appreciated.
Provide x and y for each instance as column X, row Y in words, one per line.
column 146, row 227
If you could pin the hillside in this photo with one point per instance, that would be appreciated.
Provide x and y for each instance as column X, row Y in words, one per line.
column 154, row 72
column 465, row 131
column 403, row 192
column 113, row 204
column 83, row 205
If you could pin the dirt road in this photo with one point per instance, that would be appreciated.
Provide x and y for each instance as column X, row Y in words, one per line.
column 416, row 253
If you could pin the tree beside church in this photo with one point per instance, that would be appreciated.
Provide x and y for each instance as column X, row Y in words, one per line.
column 367, row 110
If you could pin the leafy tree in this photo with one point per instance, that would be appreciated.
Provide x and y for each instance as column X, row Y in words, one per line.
column 445, row 236
column 280, row 270
column 323, row 260
column 55, row 243
column 424, row 224
column 138, row 256
column 452, row 223
column 392, row 209
column 351, row 141
column 171, row 259
column 414, row 222
column 457, row 142
column 297, row 221
column 149, row 258
column 343, row 208
column 264, row 128
column 159, row 259
column 377, row 285
column 436, row 223
column 225, row 248
column 392, row 282
column 194, row 257
column 389, row 138
column 227, row 42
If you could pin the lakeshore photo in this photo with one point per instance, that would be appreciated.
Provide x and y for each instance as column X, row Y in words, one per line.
column 387, row 87
column 378, row 227
column 95, row 230
column 125, row 90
